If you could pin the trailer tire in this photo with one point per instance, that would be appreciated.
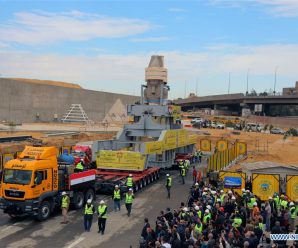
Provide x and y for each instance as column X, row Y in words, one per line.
column 90, row 195
column 78, row 200
column 44, row 211
column 144, row 182
column 136, row 187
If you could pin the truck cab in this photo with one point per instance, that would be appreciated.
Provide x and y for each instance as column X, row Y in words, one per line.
column 30, row 182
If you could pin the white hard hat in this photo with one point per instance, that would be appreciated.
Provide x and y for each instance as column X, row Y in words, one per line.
column 130, row 175
column 213, row 192
column 102, row 202
column 205, row 189
column 185, row 209
column 233, row 198
column 255, row 204
column 230, row 192
column 221, row 191
column 168, row 175
column 130, row 189
column 269, row 198
column 197, row 208
column 89, row 201
column 116, row 186
column 218, row 200
column 207, row 211
column 243, row 190
column 196, row 184
column 64, row 193
column 204, row 193
column 208, row 207
column 291, row 204
column 247, row 191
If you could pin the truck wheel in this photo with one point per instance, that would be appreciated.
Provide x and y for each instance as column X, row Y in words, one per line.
column 78, row 200
column 90, row 195
column 44, row 211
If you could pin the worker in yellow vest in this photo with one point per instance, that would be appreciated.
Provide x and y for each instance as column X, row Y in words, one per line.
column 199, row 212
column 129, row 197
column 292, row 215
column 79, row 166
column 237, row 221
column 207, row 217
column 169, row 185
column 117, row 198
column 277, row 203
column 64, row 206
column 129, row 181
column 102, row 216
column 283, row 202
column 198, row 228
column 183, row 174
column 88, row 216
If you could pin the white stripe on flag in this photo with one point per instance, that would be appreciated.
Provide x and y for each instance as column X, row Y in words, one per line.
column 82, row 180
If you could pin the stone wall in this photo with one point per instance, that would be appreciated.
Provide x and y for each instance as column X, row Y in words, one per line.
column 22, row 101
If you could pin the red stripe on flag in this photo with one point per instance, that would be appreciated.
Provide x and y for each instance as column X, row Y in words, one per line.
column 78, row 175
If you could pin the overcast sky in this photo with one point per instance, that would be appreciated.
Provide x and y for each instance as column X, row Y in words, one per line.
column 105, row 45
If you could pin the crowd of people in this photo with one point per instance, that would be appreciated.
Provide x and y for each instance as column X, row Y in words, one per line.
column 212, row 218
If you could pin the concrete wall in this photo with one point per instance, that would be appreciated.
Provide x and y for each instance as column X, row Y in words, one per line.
column 20, row 101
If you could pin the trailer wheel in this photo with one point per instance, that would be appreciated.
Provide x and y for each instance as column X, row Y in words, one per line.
column 151, row 178
column 90, row 195
column 144, row 182
column 44, row 211
column 154, row 176
column 136, row 187
column 78, row 200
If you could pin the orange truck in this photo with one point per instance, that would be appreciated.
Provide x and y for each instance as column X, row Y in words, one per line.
column 32, row 184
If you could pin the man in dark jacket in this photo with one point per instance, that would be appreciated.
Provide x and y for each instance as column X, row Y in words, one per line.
column 144, row 233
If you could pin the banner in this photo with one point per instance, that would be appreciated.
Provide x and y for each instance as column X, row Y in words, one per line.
column 221, row 145
column 153, row 147
column 121, row 160
column 192, row 139
column 205, row 145
column 233, row 180
column 265, row 185
column 170, row 140
column 241, row 148
column 292, row 187
column 182, row 137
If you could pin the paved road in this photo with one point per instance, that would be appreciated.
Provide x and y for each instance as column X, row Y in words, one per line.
column 121, row 231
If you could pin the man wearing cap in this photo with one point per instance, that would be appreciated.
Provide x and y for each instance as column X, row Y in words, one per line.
column 128, row 201
column 129, row 181
column 102, row 216
column 88, row 216
column 64, row 206
column 169, row 185
column 117, row 198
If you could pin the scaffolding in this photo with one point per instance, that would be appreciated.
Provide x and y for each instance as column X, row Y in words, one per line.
column 75, row 114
